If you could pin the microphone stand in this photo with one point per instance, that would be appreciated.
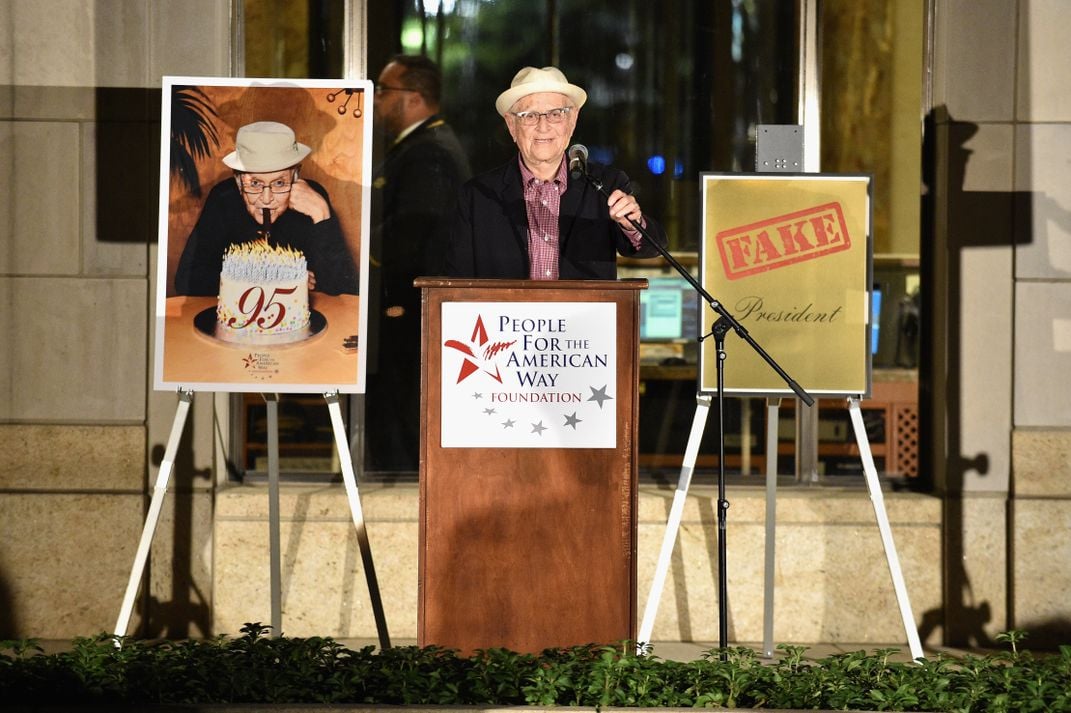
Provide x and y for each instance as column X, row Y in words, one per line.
column 725, row 322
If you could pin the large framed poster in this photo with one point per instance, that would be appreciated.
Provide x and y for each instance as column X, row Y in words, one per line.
column 263, row 249
column 790, row 257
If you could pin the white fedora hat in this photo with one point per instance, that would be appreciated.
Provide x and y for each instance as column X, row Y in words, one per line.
column 531, row 80
column 265, row 146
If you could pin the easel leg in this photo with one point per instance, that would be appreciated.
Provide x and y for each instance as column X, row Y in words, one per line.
column 673, row 524
column 350, row 480
column 274, row 539
column 153, row 516
column 878, row 501
column 772, row 406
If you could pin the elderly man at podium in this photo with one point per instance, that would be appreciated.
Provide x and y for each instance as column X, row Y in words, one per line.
column 530, row 218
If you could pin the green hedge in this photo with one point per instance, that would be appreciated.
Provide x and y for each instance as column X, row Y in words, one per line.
column 255, row 668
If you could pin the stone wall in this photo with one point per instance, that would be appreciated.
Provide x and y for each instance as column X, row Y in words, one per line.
column 832, row 581
column 79, row 160
column 1040, row 513
column 1000, row 241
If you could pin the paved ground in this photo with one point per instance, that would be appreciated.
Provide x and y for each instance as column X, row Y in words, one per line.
column 693, row 650
column 690, row 651
column 673, row 650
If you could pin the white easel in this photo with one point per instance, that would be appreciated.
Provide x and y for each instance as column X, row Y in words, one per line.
column 352, row 494
column 677, row 509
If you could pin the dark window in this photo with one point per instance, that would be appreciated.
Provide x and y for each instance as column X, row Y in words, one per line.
column 674, row 88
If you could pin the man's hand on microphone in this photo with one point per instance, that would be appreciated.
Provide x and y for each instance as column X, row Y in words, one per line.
column 624, row 207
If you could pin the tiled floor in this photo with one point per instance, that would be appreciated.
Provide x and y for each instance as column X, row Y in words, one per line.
column 690, row 651
column 693, row 650
column 673, row 650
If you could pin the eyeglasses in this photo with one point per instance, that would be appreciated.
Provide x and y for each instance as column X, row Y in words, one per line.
column 256, row 186
column 382, row 88
column 553, row 116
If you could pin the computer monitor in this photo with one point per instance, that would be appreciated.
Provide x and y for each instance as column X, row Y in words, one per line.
column 669, row 310
column 875, row 318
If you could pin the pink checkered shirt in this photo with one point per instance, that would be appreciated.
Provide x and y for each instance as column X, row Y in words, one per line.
column 543, row 202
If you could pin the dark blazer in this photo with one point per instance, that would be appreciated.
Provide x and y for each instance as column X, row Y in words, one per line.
column 490, row 234
column 413, row 194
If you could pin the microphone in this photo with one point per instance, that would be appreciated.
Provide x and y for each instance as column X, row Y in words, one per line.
column 578, row 160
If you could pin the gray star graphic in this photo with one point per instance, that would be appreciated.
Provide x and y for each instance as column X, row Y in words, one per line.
column 477, row 395
column 572, row 420
column 508, row 423
column 488, row 410
column 599, row 395
column 538, row 428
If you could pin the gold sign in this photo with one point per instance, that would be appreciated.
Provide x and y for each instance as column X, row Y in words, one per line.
column 790, row 258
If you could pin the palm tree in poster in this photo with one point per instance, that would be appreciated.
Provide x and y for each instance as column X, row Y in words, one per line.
column 193, row 134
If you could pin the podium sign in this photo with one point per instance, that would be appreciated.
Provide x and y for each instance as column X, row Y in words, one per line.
column 529, row 375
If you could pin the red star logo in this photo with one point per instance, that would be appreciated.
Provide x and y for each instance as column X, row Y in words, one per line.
column 478, row 344
column 249, row 361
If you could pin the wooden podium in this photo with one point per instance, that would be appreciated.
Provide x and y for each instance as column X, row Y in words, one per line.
column 527, row 548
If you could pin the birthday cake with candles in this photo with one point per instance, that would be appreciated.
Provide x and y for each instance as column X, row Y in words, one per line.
column 263, row 294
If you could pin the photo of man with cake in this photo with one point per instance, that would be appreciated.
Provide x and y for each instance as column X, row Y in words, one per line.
column 260, row 277
column 267, row 202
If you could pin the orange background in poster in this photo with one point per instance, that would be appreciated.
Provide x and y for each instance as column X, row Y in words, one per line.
column 336, row 161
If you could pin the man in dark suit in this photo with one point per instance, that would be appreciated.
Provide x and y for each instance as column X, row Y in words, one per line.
column 414, row 190
column 529, row 218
